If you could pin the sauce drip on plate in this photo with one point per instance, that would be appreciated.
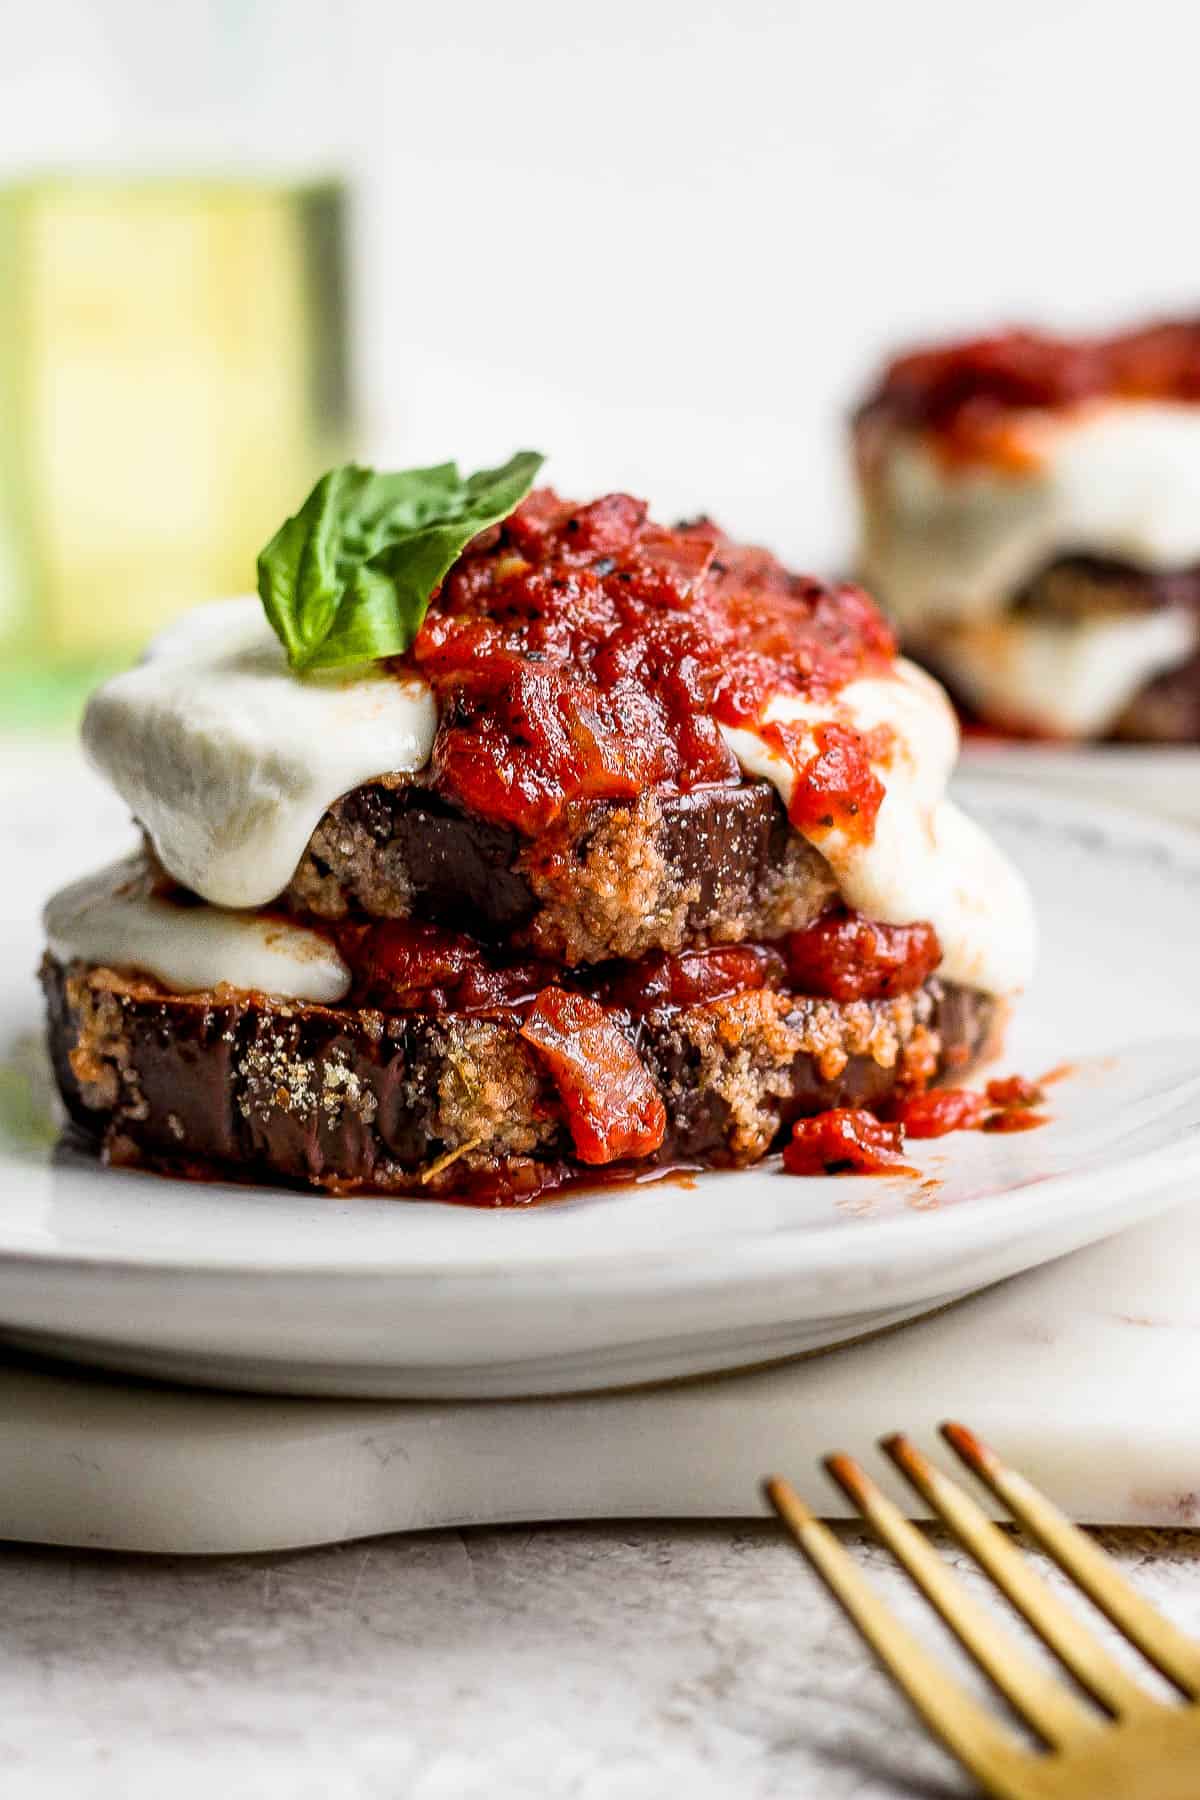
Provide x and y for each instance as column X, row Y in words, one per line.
column 874, row 1146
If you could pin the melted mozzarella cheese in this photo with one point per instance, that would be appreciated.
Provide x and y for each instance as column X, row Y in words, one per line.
column 229, row 760
column 1067, row 678
column 925, row 859
column 1116, row 478
column 114, row 918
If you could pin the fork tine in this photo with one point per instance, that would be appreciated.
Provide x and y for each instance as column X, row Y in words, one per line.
column 1042, row 1701
column 1159, row 1641
column 984, row 1748
column 1074, row 1646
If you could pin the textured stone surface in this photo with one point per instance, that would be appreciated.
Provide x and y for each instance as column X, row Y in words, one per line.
column 564, row 1663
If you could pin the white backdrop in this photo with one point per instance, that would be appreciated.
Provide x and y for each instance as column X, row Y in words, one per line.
column 664, row 241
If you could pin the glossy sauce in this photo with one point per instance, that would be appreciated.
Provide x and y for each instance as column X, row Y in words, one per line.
column 613, row 1108
column 402, row 966
column 661, row 982
column 562, row 1180
column 584, row 652
column 1006, row 1105
column 845, row 1141
column 846, row 957
column 578, row 1022
column 940, row 1111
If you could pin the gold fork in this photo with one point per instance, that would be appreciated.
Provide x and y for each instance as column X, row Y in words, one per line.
column 1128, row 1746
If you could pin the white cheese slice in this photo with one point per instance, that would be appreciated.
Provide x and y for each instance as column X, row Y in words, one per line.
column 926, row 859
column 113, row 917
column 229, row 760
column 1066, row 678
column 1116, row 478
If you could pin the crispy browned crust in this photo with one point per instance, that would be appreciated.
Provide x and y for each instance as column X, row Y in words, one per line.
column 270, row 1091
column 613, row 880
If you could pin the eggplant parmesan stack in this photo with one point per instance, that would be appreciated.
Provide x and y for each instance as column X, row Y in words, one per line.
column 588, row 846
column 1030, row 512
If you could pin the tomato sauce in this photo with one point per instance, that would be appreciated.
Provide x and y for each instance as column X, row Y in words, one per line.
column 579, row 1022
column 845, row 1141
column 613, row 1108
column 1015, row 1118
column 1013, row 1090
column 690, row 978
column 835, row 786
column 846, row 957
column 940, row 1111
column 585, row 653
column 964, row 395
column 1005, row 1105
column 402, row 966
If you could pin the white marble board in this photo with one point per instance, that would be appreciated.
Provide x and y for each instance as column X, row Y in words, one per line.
column 1086, row 1373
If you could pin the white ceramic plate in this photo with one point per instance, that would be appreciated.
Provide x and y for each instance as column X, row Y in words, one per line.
column 276, row 1291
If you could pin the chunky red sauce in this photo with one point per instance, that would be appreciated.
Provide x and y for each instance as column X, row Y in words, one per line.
column 846, row 957
column 1005, row 1105
column 613, row 1107
column 940, row 1111
column 835, row 784
column 402, row 966
column 965, row 394
column 1003, row 1102
column 579, row 1021
column 691, row 978
column 584, row 652
column 845, row 1141
column 1013, row 1090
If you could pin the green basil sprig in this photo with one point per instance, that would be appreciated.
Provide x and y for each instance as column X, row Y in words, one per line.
column 348, row 578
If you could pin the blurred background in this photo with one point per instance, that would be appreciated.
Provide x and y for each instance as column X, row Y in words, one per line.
column 665, row 242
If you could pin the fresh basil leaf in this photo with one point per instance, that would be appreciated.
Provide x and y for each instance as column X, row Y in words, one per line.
column 349, row 577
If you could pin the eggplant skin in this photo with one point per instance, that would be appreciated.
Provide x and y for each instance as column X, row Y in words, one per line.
column 239, row 1086
column 611, row 880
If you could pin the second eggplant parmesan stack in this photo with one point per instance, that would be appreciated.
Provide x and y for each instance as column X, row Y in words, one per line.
column 1031, row 518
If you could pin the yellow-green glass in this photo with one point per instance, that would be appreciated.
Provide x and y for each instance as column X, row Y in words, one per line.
column 172, row 380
